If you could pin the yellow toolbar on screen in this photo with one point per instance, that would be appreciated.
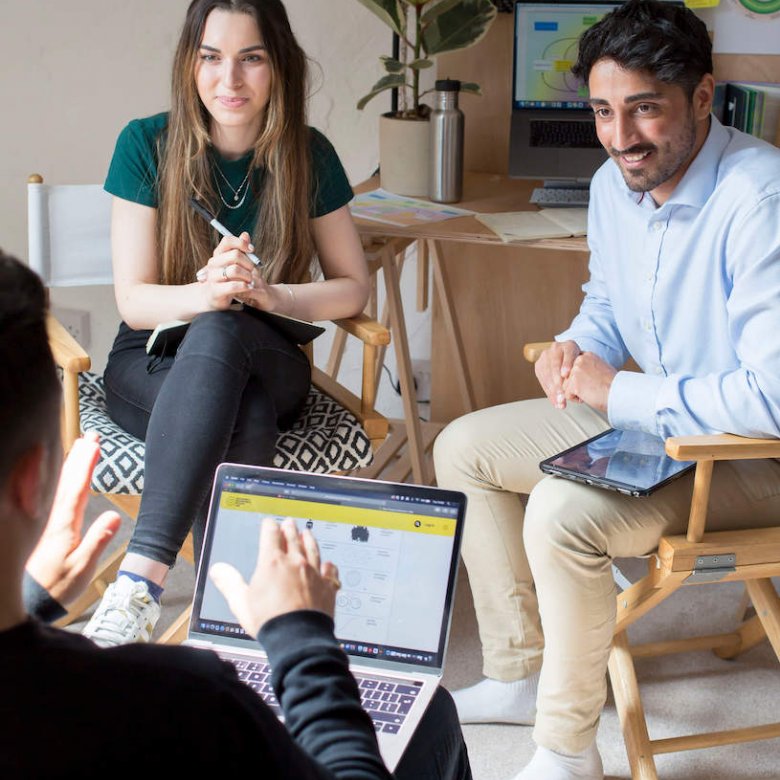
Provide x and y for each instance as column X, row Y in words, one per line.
column 336, row 513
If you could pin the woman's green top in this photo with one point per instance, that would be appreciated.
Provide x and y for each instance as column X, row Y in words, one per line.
column 133, row 174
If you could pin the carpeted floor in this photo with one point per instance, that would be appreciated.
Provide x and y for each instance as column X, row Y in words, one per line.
column 682, row 694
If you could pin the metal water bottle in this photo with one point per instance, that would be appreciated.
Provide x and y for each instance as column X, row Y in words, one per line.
column 446, row 177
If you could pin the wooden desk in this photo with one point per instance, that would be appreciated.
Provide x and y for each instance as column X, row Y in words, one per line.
column 482, row 192
column 489, row 300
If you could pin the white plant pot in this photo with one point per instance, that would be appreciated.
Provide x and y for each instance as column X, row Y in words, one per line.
column 404, row 155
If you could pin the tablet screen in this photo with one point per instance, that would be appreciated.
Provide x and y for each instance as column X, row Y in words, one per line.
column 631, row 461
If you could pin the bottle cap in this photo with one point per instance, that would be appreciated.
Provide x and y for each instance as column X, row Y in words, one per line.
column 447, row 85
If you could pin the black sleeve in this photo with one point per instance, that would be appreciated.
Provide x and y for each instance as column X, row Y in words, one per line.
column 319, row 696
column 38, row 602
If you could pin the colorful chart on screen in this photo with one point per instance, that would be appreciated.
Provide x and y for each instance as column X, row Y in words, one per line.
column 546, row 50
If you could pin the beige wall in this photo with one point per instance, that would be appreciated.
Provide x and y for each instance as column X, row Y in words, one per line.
column 74, row 72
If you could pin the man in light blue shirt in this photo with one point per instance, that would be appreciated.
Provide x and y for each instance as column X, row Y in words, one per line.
column 688, row 284
column 684, row 233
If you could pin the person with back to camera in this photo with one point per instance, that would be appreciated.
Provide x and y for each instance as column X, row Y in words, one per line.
column 72, row 709
column 236, row 139
column 684, row 235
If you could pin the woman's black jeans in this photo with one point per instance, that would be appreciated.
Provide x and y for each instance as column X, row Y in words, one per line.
column 233, row 383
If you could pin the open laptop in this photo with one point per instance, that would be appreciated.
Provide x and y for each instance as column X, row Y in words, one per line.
column 396, row 547
column 552, row 131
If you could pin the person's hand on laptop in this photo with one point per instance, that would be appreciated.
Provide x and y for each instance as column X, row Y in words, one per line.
column 289, row 576
column 62, row 562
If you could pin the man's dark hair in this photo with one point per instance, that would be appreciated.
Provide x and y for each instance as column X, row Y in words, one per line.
column 663, row 39
column 29, row 386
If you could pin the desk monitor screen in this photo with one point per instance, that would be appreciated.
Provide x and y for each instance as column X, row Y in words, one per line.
column 553, row 134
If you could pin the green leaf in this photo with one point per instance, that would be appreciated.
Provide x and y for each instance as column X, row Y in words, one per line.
column 439, row 8
column 385, row 83
column 392, row 65
column 421, row 64
column 470, row 87
column 389, row 12
column 458, row 26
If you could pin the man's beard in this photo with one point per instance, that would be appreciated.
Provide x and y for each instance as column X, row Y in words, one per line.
column 675, row 156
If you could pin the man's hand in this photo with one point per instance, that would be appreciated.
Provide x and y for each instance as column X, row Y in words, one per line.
column 62, row 562
column 288, row 577
column 589, row 381
column 553, row 368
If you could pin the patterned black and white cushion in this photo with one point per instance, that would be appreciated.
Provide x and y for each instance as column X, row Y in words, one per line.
column 326, row 437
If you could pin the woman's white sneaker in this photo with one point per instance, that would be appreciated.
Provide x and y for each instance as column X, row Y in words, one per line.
column 126, row 613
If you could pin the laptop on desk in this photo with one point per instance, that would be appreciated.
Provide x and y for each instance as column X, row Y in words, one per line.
column 396, row 547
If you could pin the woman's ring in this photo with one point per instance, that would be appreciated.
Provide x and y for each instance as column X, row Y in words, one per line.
column 224, row 272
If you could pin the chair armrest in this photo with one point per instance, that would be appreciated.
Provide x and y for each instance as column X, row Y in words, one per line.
column 72, row 359
column 68, row 353
column 723, row 446
column 533, row 350
column 364, row 328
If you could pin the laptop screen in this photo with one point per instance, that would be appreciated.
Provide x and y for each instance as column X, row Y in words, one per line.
column 546, row 37
column 396, row 547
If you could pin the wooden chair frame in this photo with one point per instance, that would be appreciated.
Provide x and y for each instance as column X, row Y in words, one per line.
column 751, row 556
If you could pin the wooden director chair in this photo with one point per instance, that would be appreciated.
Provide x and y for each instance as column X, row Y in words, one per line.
column 751, row 556
column 69, row 245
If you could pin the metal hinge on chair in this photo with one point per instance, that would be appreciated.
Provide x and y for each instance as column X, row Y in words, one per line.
column 711, row 568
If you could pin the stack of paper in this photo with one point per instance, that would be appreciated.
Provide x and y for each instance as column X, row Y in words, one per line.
column 532, row 225
column 382, row 206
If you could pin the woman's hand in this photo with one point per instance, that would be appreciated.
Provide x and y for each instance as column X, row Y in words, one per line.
column 229, row 273
column 229, row 266
column 269, row 297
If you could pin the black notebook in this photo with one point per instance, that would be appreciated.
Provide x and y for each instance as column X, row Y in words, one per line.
column 167, row 336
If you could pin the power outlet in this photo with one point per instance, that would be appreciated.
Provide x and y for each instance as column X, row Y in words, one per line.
column 421, row 371
column 76, row 322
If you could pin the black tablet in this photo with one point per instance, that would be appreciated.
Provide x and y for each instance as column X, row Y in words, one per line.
column 631, row 462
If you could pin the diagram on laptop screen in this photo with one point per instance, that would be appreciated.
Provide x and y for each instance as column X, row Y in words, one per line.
column 546, row 50
column 393, row 566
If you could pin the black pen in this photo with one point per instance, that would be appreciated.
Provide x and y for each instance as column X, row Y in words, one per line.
column 219, row 227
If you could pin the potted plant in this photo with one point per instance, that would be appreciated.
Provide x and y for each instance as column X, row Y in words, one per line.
column 425, row 28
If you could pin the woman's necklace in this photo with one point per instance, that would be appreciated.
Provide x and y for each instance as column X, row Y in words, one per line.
column 238, row 199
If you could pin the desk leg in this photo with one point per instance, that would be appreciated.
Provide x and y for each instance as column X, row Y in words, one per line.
column 422, row 275
column 400, row 255
column 442, row 287
column 415, row 445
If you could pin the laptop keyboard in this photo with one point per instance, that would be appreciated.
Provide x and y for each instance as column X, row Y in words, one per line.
column 257, row 675
column 552, row 197
column 564, row 134
column 387, row 701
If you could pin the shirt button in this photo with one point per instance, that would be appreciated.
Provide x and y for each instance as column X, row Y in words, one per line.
column 649, row 277
column 658, row 226
column 659, row 370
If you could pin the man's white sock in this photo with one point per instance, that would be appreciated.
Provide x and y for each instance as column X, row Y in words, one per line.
column 549, row 765
column 493, row 701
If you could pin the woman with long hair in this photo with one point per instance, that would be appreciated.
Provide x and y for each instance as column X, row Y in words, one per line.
column 236, row 139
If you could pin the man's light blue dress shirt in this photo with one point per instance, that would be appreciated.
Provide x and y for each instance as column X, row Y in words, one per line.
column 691, row 291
